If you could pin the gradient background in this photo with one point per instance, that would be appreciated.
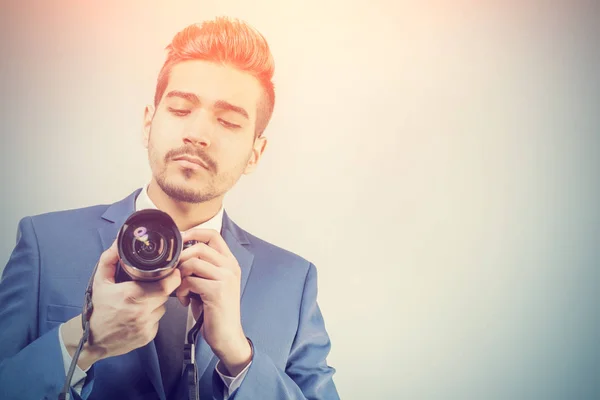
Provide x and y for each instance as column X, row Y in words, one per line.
column 437, row 161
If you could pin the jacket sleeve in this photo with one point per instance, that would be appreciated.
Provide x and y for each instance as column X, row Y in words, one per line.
column 31, row 366
column 307, row 375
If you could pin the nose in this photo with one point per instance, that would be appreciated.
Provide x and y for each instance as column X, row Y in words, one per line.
column 199, row 131
column 196, row 139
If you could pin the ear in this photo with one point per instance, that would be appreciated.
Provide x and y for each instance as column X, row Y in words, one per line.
column 260, row 143
column 147, row 124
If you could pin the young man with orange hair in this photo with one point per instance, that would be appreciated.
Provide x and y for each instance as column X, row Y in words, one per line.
column 263, row 335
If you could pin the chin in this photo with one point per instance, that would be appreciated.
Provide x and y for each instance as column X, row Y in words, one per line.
column 182, row 193
column 184, row 190
column 182, row 183
column 178, row 175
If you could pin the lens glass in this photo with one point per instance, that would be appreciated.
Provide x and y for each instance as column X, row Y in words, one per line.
column 149, row 245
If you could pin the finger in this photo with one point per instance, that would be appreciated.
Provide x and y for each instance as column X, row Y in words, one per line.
column 204, row 252
column 154, row 303
column 203, row 287
column 107, row 265
column 157, row 313
column 184, row 300
column 209, row 236
column 163, row 287
column 152, row 333
column 158, row 292
column 131, row 291
column 200, row 268
column 197, row 307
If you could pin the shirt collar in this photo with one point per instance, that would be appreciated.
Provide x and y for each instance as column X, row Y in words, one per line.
column 143, row 202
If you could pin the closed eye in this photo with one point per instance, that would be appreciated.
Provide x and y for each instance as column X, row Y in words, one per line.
column 228, row 124
column 179, row 112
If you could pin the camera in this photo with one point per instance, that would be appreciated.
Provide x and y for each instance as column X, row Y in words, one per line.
column 149, row 245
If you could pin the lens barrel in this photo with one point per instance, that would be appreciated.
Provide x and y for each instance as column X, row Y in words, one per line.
column 149, row 245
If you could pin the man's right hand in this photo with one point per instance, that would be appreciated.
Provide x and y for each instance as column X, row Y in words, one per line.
column 125, row 315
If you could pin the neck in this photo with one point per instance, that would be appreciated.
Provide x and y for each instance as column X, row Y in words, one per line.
column 185, row 215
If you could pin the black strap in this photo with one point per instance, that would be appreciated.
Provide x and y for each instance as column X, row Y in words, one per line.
column 85, row 324
column 190, row 370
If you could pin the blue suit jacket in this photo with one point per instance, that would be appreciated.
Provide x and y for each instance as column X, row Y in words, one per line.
column 45, row 279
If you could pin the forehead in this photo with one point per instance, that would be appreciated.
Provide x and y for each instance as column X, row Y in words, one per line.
column 212, row 82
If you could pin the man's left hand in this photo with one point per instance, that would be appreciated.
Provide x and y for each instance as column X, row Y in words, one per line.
column 209, row 269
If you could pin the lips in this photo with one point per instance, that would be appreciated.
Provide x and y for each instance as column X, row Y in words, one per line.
column 192, row 160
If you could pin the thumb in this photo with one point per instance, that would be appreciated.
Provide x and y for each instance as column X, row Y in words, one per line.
column 107, row 264
column 197, row 307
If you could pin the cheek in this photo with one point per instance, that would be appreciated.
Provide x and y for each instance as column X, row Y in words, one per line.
column 163, row 136
column 157, row 149
column 239, row 160
column 233, row 151
column 167, row 128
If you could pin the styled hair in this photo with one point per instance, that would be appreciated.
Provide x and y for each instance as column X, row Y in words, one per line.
column 226, row 41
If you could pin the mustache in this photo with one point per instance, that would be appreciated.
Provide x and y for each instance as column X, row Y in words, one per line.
column 193, row 152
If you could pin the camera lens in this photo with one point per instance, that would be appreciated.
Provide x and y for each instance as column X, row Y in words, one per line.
column 149, row 245
column 149, row 249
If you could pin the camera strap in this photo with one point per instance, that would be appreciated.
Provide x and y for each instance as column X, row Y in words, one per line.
column 190, row 370
column 85, row 325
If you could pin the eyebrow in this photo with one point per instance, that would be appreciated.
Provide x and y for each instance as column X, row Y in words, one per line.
column 191, row 97
column 223, row 105
column 219, row 104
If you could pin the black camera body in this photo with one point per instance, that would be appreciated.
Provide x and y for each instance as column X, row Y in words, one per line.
column 149, row 245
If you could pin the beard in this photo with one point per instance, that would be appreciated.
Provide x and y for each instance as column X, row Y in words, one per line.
column 186, row 194
column 192, row 189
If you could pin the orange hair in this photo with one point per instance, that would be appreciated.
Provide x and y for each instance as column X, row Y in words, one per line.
column 227, row 41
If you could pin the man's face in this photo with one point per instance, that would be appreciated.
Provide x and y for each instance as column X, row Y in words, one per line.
column 201, row 137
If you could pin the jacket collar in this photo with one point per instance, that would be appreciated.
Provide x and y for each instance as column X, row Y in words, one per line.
column 117, row 213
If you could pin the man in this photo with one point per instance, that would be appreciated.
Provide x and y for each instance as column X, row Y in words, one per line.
column 263, row 336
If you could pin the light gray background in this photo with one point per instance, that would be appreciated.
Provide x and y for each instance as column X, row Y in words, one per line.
column 437, row 161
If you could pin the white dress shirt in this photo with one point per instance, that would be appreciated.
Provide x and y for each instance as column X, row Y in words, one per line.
column 231, row 382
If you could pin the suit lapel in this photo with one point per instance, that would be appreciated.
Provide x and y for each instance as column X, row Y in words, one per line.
column 114, row 217
column 236, row 241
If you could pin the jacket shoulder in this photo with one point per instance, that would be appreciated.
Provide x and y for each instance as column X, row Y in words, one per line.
column 68, row 217
column 278, row 258
column 263, row 249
